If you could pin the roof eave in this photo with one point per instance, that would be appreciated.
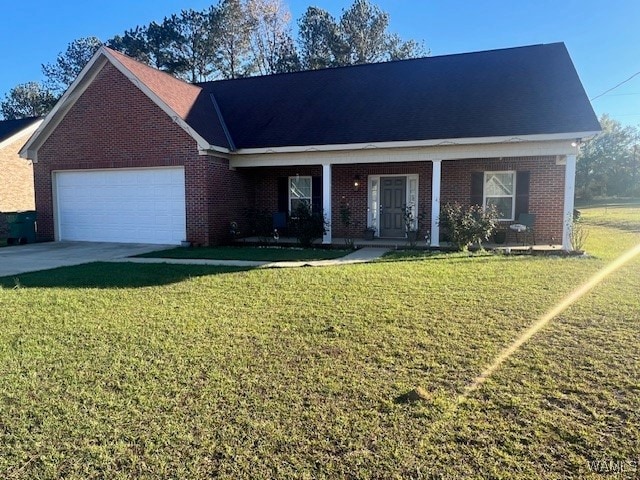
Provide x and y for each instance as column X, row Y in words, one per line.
column 16, row 136
column 215, row 150
column 584, row 135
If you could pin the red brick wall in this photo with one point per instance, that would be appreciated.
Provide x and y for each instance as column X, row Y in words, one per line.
column 546, row 195
column 265, row 184
column 229, row 197
column 114, row 125
column 343, row 192
column 260, row 186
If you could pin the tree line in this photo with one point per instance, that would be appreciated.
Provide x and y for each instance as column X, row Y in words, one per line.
column 230, row 39
column 609, row 164
column 238, row 38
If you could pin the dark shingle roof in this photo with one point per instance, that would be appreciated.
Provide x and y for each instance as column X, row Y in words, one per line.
column 9, row 128
column 205, row 119
column 509, row 92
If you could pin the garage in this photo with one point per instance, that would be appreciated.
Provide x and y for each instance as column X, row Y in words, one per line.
column 145, row 205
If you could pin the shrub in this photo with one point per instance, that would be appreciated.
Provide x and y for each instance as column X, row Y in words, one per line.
column 410, row 219
column 307, row 225
column 347, row 223
column 261, row 222
column 467, row 225
column 578, row 235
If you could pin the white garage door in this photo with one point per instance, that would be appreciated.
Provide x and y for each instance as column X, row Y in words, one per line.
column 121, row 205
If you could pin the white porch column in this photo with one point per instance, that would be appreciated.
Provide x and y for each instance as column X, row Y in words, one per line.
column 326, row 200
column 569, row 192
column 435, row 203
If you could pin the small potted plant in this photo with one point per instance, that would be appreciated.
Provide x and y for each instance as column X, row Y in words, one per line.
column 500, row 236
column 410, row 219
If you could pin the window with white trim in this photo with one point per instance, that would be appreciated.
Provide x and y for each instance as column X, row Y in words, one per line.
column 373, row 202
column 500, row 191
column 299, row 192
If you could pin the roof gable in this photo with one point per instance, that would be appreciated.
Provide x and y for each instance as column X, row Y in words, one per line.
column 178, row 95
column 175, row 97
column 187, row 100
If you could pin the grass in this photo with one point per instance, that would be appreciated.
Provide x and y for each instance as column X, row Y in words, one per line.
column 420, row 254
column 267, row 254
column 174, row 371
column 606, row 201
column 624, row 216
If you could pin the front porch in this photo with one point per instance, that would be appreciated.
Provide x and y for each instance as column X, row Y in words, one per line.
column 375, row 194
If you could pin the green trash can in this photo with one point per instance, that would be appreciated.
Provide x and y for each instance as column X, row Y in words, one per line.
column 22, row 227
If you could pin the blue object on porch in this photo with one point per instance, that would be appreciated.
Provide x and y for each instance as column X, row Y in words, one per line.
column 280, row 221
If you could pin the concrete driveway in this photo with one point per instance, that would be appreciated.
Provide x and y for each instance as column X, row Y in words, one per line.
column 43, row 256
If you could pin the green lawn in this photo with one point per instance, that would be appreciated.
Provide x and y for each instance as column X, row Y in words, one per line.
column 615, row 215
column 156, row 371
column 266, row 254
column 606, row 201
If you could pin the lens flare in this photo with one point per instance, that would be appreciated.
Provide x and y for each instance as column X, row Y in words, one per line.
column 545, row 319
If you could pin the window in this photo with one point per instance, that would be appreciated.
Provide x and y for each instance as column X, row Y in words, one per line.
column 373, row 202
column 500, row 192
column 299, row 192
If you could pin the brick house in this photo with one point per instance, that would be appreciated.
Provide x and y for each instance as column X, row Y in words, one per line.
column 132, row 154
column 16, row 174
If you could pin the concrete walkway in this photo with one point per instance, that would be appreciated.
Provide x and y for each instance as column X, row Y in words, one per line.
column 44, row 256
column 362, row 255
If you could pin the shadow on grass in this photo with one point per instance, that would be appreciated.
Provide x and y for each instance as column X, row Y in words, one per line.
column 631, row 228
column 627, row 202
column 276, row 253
column 476, row 257
column 113, row 275
column 628, row 226
column 408, row 256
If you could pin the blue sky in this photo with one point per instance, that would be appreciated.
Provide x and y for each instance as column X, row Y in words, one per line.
column 603, row 37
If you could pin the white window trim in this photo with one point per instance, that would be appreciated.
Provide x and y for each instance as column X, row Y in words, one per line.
column 372, row 178
column 299, row 177
column 513, row 199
